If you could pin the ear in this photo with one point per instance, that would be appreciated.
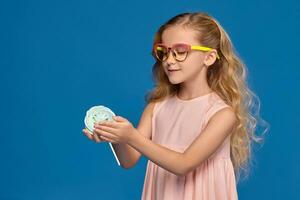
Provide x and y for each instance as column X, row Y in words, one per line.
column 210, row 57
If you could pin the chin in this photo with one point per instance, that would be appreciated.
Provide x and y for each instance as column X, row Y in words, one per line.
column 174, row 81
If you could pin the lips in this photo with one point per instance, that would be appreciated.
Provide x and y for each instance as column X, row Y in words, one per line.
column 173, row 70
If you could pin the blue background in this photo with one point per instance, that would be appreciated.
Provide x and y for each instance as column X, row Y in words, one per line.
column 59, row 58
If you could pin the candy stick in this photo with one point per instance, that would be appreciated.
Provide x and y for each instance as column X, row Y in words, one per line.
column 114, row 153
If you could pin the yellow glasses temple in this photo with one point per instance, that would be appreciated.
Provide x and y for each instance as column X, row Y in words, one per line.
column 202, row 48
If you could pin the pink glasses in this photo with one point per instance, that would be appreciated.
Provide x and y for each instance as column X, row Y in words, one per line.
column 179, row 51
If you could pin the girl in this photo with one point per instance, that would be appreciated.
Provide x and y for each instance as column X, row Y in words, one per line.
column 197, row 129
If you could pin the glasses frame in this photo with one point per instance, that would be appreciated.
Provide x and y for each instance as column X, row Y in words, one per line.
column 157, row 46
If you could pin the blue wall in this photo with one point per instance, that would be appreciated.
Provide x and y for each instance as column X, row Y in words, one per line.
column 58, row 58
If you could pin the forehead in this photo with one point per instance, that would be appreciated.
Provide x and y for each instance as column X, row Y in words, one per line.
column 179, row 34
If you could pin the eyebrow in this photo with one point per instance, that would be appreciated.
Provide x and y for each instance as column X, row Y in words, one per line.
column 174, row 44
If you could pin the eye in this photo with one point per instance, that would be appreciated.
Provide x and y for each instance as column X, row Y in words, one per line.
column 181, row 49
column 180, row 52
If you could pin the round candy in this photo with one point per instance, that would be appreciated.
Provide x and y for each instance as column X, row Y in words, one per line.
column 97, row 114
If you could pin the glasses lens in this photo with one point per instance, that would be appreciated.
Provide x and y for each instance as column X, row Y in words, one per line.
column 180, row 52
column 161, row 52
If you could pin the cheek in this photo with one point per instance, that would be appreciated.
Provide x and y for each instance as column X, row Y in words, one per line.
column 197, row 62
column 196, row 59
column 193, row 64
column 192, row 67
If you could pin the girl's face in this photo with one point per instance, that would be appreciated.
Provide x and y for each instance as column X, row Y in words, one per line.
column 190, row 68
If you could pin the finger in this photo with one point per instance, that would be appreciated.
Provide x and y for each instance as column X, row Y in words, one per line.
column 96, row 138
column 111, row 124
column 87, row 134
column 120, row 119
column 87, row 131
column 108, row 139
column 105, row 128
column 106, row 134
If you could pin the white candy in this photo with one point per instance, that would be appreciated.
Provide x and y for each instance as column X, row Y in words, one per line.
column 97, row 114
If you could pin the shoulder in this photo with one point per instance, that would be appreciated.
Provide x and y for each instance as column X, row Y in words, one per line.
column 225, row 113
column 149, row 108
column 219, row 110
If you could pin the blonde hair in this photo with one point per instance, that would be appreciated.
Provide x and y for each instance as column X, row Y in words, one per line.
column 226, row 77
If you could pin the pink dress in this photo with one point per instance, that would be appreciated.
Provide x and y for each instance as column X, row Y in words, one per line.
column 175, row 124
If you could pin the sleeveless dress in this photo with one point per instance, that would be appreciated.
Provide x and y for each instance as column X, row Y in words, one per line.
column 175, row 124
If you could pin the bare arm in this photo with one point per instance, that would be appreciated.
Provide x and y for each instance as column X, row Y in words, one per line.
column 218, row 128
column 127, row 155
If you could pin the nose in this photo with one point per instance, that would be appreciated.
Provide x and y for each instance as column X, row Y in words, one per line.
column 170, row 59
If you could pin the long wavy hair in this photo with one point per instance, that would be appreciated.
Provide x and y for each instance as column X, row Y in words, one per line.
column 226, row 77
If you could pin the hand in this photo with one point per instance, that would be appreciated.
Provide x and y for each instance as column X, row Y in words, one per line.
column 120, row 130
column 95, row 137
